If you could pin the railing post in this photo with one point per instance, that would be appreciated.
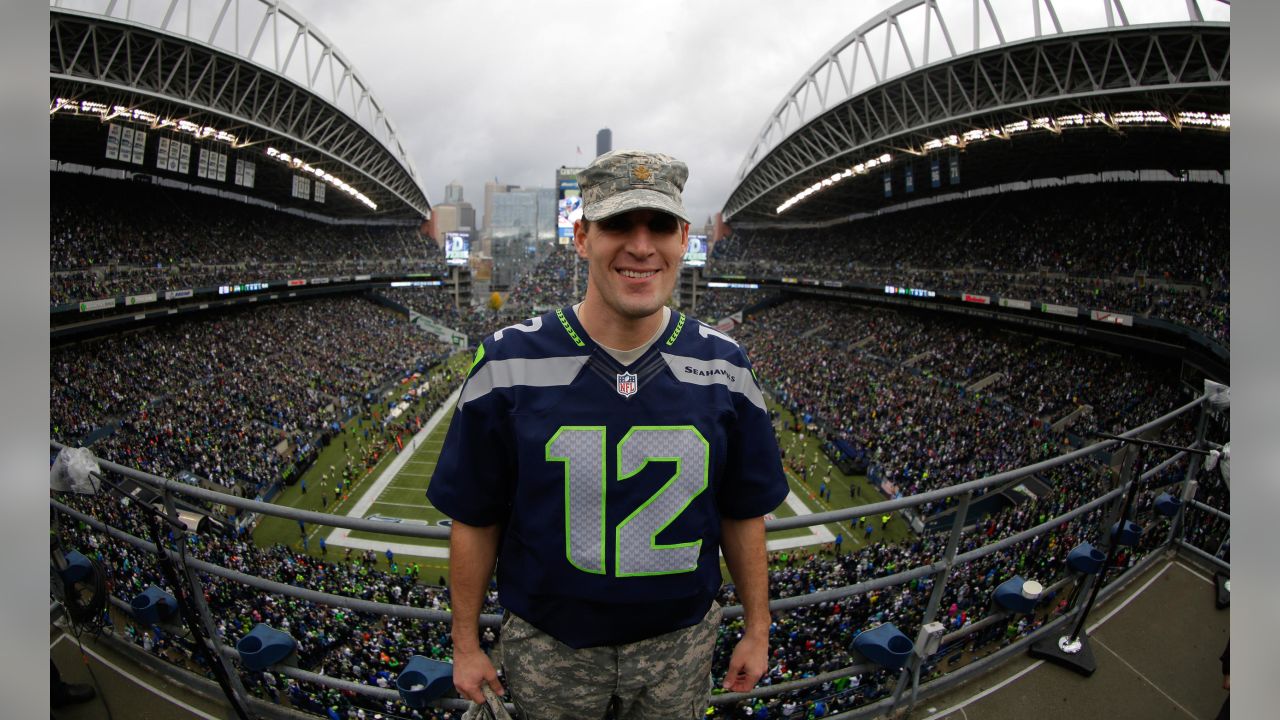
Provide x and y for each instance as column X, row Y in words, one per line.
column 196, row 589
column 935, row 600
column 1177, row 526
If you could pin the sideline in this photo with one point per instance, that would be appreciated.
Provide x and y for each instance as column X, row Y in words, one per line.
column 341, row 537
column 134, row 679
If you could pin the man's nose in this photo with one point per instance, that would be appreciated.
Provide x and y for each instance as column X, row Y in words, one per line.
column 640, row 240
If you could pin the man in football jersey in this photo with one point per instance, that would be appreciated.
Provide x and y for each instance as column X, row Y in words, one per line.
column 604, row 454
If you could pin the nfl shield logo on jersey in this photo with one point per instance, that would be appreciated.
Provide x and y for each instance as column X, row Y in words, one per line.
column 628, row 384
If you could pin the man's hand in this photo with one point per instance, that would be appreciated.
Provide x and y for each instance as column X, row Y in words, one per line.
column 748, row 664
column 471, row 670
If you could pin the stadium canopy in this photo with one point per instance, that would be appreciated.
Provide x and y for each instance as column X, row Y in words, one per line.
column 251, row 77
column 1001, row 92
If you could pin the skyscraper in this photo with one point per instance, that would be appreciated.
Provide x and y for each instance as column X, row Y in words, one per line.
column 453, row 193
column 604, row 141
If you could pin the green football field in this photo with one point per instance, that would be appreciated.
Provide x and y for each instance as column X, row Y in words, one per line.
column 395, row 491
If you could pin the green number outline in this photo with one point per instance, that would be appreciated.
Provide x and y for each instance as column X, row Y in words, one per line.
column 653, row 538
column 568, row 530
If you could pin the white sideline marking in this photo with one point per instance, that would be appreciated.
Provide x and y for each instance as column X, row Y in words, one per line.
column 408, row 505
column 341, row 537
column 817, row 534
column 195, row 711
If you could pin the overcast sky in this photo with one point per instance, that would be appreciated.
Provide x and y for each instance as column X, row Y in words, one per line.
column 481, row 89
column 514, row 89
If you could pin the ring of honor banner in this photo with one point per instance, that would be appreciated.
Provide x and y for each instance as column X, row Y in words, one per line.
column 888, row 184
column 244, row 173
column 126, row 144
column 911, row 180
column 954, row 162
column 935, row 173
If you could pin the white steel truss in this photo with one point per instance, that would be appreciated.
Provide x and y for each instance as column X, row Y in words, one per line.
column 255, row 64
column 928, row 63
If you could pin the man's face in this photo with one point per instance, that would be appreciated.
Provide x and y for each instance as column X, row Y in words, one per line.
column 633, row 259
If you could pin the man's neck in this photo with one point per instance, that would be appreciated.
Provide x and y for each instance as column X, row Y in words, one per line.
column 611, row 330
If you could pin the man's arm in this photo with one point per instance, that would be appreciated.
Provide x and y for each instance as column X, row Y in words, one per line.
column 744, row 552
column 472, row 552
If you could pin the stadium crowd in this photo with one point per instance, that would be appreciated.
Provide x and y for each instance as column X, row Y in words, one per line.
column 234, row 398
column 931, row 402
column 110, row 237
column 804, row 642
column 1159, row 251
column 903, row 389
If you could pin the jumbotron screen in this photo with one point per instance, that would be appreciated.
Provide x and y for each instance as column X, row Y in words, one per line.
column 570, row 211
column 457, row 248
column 696, row 255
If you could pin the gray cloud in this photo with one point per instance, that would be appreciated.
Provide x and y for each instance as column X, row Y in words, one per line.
column 512, row 90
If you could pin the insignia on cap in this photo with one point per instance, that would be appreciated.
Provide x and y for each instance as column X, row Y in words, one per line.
column 640, row 173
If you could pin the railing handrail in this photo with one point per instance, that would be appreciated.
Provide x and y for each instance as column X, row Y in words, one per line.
column 167, row 487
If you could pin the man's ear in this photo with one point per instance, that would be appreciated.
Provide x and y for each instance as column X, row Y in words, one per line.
column 580, row 238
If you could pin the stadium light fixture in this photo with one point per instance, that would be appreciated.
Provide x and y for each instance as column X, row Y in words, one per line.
column 106, row 112
column 1131, row 118
column 301, row 166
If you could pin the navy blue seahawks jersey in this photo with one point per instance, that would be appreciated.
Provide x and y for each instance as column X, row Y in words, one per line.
column 609, row 481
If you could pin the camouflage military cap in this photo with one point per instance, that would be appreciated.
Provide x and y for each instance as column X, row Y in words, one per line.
column 624, row 180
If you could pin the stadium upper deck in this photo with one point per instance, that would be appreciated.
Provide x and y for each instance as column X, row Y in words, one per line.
column 934, row 98
column 243, row 96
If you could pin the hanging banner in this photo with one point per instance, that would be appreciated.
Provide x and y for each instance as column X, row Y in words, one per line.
column 935, row 173
column 955, row 168
column 1019, row 304
column 113, row 142
column 911, row 183
column 139, row 146
column 888, row 184
column 140, row 299
column 126, row 144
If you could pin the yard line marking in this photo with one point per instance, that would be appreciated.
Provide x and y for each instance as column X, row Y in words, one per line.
column 426, row 506
column 342, row 536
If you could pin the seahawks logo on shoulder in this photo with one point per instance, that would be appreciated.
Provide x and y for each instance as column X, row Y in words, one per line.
column 708, row 372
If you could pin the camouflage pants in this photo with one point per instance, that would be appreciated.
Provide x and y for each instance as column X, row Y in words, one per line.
column 667, row 677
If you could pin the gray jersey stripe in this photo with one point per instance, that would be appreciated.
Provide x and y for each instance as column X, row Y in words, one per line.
column 541, row 372
column 716, row 372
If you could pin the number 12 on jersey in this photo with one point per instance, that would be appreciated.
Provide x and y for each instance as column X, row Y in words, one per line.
column 586, row 490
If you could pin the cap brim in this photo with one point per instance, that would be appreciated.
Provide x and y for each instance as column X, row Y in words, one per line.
column 637, row 199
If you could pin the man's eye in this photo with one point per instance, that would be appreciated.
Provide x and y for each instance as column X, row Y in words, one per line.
column 662, row 224
column 617, row 223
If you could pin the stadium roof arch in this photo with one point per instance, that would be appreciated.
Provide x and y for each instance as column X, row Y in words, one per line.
column 253, row 75
column 1020, row 82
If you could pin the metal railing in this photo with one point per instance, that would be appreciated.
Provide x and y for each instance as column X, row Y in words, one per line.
column 1108, row 502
